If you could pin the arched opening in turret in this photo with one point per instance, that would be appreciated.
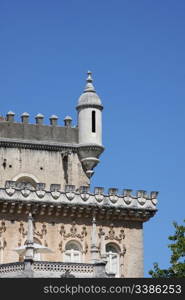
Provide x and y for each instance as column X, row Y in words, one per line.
column 93, row 121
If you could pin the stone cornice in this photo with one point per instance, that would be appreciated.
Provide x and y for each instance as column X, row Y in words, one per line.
column 49, row 146
column 81, row 106
column 78, row 203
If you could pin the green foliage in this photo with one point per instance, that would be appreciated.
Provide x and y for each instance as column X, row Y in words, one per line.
column 177, row 261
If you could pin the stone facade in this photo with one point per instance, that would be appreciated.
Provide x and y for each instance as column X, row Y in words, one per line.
column 46, row 171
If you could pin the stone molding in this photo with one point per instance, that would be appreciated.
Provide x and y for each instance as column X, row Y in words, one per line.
column 82, row 106
column 80, row 202
column 49, row 146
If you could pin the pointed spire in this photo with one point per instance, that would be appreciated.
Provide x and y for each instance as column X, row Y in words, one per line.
column 94, row 249
column 89, row 86
column 29, row 242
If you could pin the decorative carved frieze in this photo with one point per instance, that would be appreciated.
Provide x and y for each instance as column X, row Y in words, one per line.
column 73, row 232
column 112, row 235
column 41, row 232
column 77, row 203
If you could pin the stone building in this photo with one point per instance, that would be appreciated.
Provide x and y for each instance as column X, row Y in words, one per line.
column 45, row 172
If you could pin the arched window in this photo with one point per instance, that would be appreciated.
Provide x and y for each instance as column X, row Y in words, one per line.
column 73, row 252
column 112, row 253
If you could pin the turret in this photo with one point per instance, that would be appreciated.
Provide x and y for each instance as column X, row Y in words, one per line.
column 90, row 126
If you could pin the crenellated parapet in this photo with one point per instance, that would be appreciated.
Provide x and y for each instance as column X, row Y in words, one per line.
column 24, row 131
column 39, row 119
column 24, row 198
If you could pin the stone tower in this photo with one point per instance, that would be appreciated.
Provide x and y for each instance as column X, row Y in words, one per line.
column 45, row 172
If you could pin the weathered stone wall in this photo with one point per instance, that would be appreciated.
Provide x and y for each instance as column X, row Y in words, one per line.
column 35, row 132
column 55, row 232
column 49, row 167
column 133, row 266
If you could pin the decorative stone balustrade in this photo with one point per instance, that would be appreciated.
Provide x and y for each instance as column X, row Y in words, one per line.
column 11, row 268
column 47, row 269
column 63, row 267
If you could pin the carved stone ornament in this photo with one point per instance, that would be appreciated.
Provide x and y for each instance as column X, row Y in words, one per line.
column 112, row 235
column 3, row 243
column 70, row 191
column 154, row 201
column 10, row 191
column 42, row 232
column 2, row 228
column 84, row 192
column 70, row 195
column 10, row 187
column 55, row 194
column 84, row 196
column 113, row 195
column 127, row 200
column 123, row 251
column 73, row 232
column 142, row 200
column 101, row 231
column 113, row 198
column 25, row 192
column 40, row 193
column 22, row 230
column 61, row 247
column 99, row 197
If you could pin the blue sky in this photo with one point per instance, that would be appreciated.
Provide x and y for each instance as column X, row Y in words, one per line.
column 135, row 49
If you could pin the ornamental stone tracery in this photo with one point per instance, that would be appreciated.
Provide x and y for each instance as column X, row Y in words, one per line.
column 73, row 232
column 112, row 234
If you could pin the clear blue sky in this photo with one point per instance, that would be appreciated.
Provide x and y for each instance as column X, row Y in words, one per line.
column 136, row 51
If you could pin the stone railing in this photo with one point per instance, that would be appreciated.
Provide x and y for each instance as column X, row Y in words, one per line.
column 63, row 267
column 11, row 267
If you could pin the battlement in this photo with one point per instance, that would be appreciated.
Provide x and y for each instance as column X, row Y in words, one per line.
column 22, row 197
column 10, row 129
